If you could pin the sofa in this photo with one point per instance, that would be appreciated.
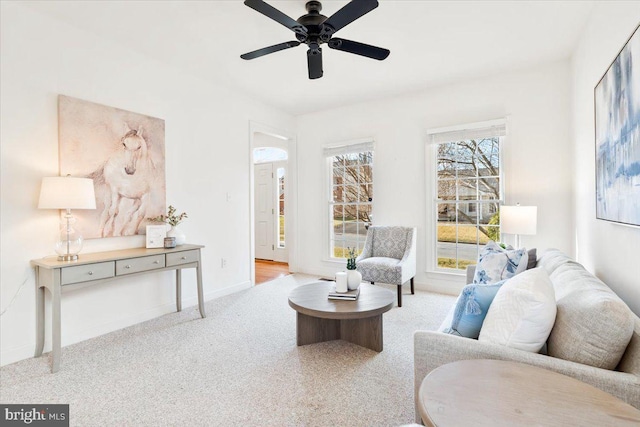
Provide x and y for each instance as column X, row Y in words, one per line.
column 587, row 311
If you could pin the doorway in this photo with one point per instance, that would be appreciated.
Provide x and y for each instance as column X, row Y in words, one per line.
column 272, row 159
column 269, row 206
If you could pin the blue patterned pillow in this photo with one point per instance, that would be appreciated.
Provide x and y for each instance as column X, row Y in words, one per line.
column 495, row 263
column 466, row 317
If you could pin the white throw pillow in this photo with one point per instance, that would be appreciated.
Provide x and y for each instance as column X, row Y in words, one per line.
column 522, row 313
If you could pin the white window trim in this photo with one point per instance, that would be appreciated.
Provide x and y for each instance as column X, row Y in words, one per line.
column 328, row 151
column 431, row 185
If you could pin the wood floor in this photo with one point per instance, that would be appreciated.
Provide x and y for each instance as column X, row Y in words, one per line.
column 269, row 270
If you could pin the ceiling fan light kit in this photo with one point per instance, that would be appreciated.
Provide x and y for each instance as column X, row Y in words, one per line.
column 314, row 29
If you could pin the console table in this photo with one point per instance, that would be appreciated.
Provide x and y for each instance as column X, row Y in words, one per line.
column 94, row 268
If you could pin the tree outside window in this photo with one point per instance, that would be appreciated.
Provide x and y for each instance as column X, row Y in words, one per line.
column 468, row 197
column 352, row 199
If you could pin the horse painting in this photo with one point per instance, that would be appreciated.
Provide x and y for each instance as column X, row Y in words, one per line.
column 128, row 175
column 123, row 152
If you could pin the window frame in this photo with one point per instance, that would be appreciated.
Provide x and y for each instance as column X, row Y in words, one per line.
column 463, row 132
column 329, row 152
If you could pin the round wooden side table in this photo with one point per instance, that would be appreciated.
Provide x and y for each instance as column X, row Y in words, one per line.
column 502, row 393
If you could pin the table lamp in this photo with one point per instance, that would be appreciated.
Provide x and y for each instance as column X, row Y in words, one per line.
column 518, row 220
column 66, row 192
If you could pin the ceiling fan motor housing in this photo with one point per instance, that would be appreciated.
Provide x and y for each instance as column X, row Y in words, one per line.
column 317, row 33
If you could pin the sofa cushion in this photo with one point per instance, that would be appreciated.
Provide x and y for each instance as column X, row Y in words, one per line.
column 466, row 316
column 496, row 264
column 522, row 313
column 552, row 259
column 593, row 325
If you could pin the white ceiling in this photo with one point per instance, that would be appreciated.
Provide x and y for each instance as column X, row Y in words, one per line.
column 432, row 43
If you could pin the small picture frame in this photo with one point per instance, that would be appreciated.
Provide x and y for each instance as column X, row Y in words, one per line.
column 156, row 235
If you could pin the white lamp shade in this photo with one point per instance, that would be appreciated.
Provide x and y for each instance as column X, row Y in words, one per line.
column 65, row 192
column 518, row 219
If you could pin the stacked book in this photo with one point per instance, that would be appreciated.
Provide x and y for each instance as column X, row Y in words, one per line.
column 345, row 296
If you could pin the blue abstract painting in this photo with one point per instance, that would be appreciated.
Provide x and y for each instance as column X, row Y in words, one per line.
column 617, row 125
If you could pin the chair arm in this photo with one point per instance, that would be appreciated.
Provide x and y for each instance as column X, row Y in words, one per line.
column 409, row 260
column 367, row 250
column 434, row 349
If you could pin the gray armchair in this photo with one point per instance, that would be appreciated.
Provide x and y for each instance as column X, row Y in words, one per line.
column 389, row 256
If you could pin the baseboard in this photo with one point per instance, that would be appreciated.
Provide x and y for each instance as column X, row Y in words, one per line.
column 325, row 273
column 438, row 285
column 26, row 351
column 440, row 288
column 16, row 354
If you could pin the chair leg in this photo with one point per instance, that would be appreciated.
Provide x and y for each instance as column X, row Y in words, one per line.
column 412, row 290
column 399, row 295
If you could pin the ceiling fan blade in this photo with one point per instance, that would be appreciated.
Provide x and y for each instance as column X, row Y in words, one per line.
column 359, row 48
column 267, row 50
column 349, row 13
column 273, row 13
column 314, row 61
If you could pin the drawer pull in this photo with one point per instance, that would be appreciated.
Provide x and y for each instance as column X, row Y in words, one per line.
column 91, row 273
column 184, row 257
column 156, row 262
column 127, row 266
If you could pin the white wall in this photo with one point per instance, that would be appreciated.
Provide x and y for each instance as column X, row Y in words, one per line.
column 537, row 159
column 207, row 155
column 609, row 250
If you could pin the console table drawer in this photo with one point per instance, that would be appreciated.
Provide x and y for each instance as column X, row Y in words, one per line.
column 136, row 265
column 85, row 273
column 186, row 257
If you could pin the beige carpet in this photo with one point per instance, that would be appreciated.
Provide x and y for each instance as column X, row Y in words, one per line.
column 238, row 366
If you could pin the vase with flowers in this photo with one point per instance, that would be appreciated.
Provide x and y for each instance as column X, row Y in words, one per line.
column 353, row 276
column 173, row 219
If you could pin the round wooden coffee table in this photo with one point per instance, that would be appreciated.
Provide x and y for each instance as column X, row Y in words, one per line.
column 321, row 319
column 501, row 393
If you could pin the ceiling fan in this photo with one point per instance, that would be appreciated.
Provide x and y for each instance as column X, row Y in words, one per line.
column 314, row 29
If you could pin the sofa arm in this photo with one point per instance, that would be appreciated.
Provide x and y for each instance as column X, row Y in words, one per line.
column 471, row 271
column 433, row 349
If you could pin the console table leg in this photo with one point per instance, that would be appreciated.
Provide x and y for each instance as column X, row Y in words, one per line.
column 39, row 319
column 179, row 289
column 200, row 293
column 56, row 335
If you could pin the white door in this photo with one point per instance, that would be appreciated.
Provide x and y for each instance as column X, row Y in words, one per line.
column 265, row 212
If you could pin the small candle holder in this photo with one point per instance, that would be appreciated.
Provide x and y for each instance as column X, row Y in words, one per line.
column 169, row 242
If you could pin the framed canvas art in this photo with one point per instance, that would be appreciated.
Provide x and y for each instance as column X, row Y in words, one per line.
column 155, row 236
column 617, row 132
column 123, row 152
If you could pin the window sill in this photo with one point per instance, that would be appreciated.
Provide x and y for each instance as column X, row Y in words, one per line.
column 447, row 273
column 335, row 260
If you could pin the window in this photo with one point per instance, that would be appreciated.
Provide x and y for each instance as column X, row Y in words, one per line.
column 350, row 196
column 468, row 191
column 269, row 154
